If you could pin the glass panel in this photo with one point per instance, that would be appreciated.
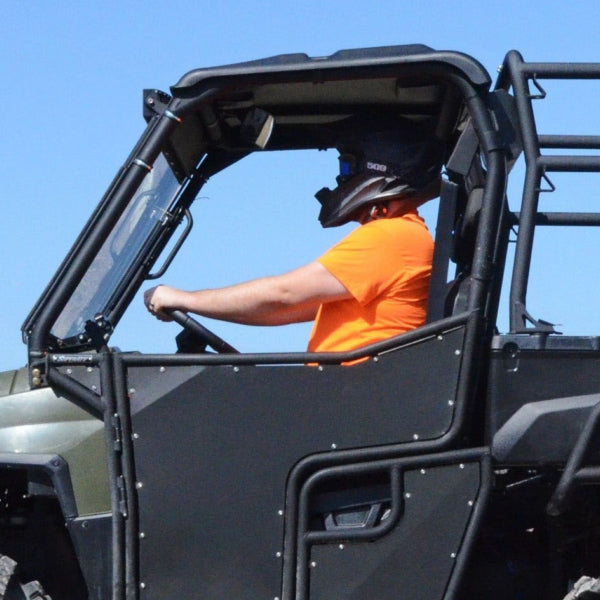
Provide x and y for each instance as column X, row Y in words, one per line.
column 146, row 211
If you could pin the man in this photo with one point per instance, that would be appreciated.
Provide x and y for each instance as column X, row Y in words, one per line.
column 370, row 286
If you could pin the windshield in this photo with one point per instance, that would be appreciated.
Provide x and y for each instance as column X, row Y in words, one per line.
column 147, row 210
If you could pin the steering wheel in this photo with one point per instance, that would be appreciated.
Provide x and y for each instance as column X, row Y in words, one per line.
column 200, row 336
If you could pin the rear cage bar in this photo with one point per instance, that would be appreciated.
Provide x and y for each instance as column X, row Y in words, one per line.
column 517, row 73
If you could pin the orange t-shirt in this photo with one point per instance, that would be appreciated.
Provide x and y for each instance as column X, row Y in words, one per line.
column 385, row 265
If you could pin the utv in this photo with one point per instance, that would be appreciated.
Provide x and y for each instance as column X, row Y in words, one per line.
column 450, row 462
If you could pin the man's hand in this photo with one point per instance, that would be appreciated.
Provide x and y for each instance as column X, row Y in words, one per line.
column 159, row 298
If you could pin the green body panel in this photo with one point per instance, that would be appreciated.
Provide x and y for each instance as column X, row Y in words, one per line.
column 39, row 422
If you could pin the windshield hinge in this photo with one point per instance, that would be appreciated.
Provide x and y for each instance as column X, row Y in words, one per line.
column 117, row 434
column 122, row 496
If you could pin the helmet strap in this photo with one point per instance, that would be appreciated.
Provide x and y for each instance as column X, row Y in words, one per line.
column 378, row 211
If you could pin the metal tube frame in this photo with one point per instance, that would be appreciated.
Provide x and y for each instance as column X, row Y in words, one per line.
column 517, row 73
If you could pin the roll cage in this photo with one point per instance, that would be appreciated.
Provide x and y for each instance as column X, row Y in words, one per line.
column 203, row 127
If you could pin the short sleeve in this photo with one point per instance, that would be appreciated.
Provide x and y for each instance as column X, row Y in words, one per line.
column 362, row 261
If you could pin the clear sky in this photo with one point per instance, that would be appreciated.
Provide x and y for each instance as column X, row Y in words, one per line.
column 72, row 75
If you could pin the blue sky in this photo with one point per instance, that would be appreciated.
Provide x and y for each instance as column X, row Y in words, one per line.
column 72, row 75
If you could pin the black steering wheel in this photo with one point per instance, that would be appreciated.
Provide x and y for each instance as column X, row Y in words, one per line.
column 200, row 336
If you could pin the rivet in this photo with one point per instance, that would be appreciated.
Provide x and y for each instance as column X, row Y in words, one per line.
column 334, row 446
column 320, row 368
column 142, row 585
column 407, row 495
column 236, row 369
column 376, row 359
column 89, row 369
column 416, row 436
column 470, row 503
column 131, row 391
column 142, row 535
column 280, row 513
column 423, row 471
column 440, row 337
column 136, row 436
column 313, row 564
column 278, row 555
column 162, row 370
column 450, row 402
column 453, row 555
column 139, row 485
column 457, row 352
column 341, row 546
column 69, row 371
column 461, row 466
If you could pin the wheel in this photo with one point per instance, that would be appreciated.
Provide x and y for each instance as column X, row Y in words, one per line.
column 201, row 336
column 12, row 589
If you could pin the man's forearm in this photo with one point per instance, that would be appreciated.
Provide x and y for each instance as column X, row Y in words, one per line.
column 288, row 298
column 258, row 302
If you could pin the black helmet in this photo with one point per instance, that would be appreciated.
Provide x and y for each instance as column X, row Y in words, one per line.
column 382, row 165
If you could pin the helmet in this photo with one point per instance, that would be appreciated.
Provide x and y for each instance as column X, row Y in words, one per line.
column 380, row 166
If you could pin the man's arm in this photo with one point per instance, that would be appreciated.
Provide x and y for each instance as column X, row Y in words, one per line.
column 292, row 297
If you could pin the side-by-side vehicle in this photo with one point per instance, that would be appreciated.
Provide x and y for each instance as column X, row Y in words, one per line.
column 456, row 461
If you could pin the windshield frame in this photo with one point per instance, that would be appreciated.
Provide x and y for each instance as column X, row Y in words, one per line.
column 42, row 319
column 149, row 212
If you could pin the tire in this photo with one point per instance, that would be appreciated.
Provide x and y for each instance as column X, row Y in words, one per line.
column 12, row 589
column 7, row 571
